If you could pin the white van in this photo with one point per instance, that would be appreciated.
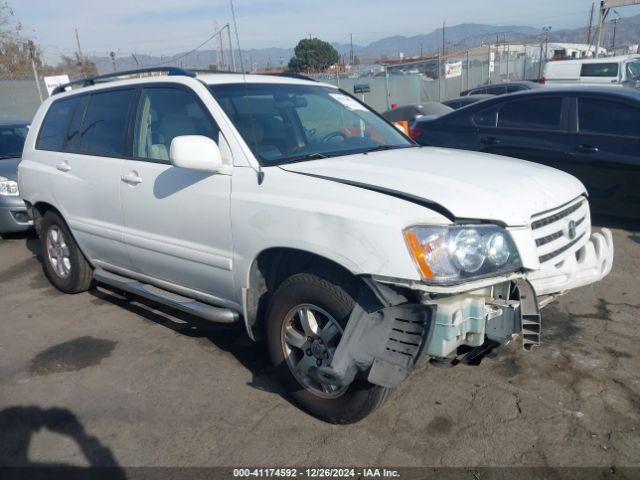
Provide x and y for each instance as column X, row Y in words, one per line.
column 616, row 71
column 291, row 207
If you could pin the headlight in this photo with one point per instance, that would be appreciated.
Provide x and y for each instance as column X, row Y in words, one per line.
column 446, row 255
column 8, row 187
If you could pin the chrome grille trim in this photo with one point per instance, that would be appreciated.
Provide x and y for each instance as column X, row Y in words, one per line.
column 560, row 232
column 555, row 235
column 557, row 252
column 556, row 216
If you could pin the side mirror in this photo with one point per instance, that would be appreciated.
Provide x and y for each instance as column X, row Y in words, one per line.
column 195, row 152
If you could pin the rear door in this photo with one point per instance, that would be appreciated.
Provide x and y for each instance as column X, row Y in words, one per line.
column 604, row 152
column 532, row 128
column 176, row 221
column 89, row 136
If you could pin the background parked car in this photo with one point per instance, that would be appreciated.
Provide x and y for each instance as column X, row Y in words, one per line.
column 13, row 212
column 409, row 113
column 460, row 102
column 592, row 133
column 502, row 88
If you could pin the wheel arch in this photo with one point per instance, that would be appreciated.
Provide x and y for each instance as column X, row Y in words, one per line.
column 273, row 265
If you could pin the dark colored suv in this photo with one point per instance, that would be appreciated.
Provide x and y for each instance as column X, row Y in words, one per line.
column 592, row 133
column 502, row 88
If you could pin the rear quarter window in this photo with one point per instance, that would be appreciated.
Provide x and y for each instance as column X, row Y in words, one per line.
column 599, row 70
column 55, row 124
column 608, row 117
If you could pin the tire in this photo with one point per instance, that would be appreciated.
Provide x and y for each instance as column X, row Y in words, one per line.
column 307, row 290
column 64, row 264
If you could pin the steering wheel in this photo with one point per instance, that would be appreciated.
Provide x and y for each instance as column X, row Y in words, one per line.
column 333, row 135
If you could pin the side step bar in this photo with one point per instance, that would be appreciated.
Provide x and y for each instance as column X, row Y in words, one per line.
column 150, row 292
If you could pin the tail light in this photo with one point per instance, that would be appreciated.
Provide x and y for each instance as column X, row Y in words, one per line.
column 416, row 132
column 542, row 80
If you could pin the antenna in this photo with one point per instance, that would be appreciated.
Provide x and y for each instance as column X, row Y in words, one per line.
column 244, row 77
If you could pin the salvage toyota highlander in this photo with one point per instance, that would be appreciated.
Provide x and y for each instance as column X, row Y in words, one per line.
column 291, row 207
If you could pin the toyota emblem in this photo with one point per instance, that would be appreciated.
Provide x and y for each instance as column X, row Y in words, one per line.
column 571, row 230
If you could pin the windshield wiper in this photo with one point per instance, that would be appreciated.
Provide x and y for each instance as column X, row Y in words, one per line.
column 380, row 148
column 303, row 158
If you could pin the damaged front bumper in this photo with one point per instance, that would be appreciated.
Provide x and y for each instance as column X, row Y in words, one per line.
column 452, row 324
column 389, row 343
column 590, row 264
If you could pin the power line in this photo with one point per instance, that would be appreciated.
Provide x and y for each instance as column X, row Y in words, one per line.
column 175, row 59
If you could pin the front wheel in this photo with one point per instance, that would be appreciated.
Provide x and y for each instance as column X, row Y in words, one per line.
column 305, row 322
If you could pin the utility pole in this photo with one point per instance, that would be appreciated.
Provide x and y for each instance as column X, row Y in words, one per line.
column 444, row 63
column 468, row 70
column 222, row 64
column 421, row 50
column 351, row 50
column 589, row 31
column 613, row 43
column 602, row 17
column 32, row 54
column 233, row 57
column 113, row 60
column 79, row 48
column 546, row 43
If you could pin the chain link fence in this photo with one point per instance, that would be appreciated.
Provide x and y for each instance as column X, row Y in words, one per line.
column 420, row 82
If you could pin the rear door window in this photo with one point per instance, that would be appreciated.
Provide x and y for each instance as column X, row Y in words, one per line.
column 607, row 117
column 486, row 117
column 54, row 127
column 496, row 90
column 599, row 70
column 533, row 113
column 106, row 122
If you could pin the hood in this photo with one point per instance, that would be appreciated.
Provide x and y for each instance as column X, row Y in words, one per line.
column 9, row 168
column 469, row 185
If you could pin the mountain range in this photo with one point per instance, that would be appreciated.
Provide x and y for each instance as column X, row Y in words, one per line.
column 457, row 38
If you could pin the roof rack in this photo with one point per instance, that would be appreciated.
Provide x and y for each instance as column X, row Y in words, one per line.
column 86, row 82
column 292, row 75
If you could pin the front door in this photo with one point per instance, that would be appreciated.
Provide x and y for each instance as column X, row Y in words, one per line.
column 176, row 221
column 531, row 128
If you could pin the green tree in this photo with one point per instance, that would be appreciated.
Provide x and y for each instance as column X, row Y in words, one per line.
column 313, row 54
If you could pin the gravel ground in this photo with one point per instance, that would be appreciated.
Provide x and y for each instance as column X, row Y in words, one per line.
column 96, row 379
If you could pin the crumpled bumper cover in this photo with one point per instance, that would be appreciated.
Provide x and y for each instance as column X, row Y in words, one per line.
column 590, row 264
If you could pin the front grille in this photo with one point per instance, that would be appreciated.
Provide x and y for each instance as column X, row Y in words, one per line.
column 560, row 232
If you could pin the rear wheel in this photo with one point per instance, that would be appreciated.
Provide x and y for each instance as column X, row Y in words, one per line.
column 64, row 264
column 306, row 319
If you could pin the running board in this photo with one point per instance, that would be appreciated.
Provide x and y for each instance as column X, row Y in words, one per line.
column 150, row 292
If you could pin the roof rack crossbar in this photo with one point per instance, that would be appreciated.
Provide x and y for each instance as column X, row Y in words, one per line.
column 299, row 76
column 86, row 82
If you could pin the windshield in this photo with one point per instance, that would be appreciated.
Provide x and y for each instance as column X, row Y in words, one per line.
column 285, row 123
column 633, row 71
column 12, row 140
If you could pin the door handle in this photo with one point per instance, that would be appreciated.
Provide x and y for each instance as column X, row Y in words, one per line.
column 63, row 166
column 131, row 178
column 490, row 141
column 587, row 148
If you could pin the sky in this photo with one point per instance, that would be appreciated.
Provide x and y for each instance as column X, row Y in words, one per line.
column 173, row 26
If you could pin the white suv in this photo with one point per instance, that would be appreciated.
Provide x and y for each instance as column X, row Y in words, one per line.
column 290, row 206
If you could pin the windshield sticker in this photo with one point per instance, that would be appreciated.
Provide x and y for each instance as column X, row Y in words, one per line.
column 348, row 102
